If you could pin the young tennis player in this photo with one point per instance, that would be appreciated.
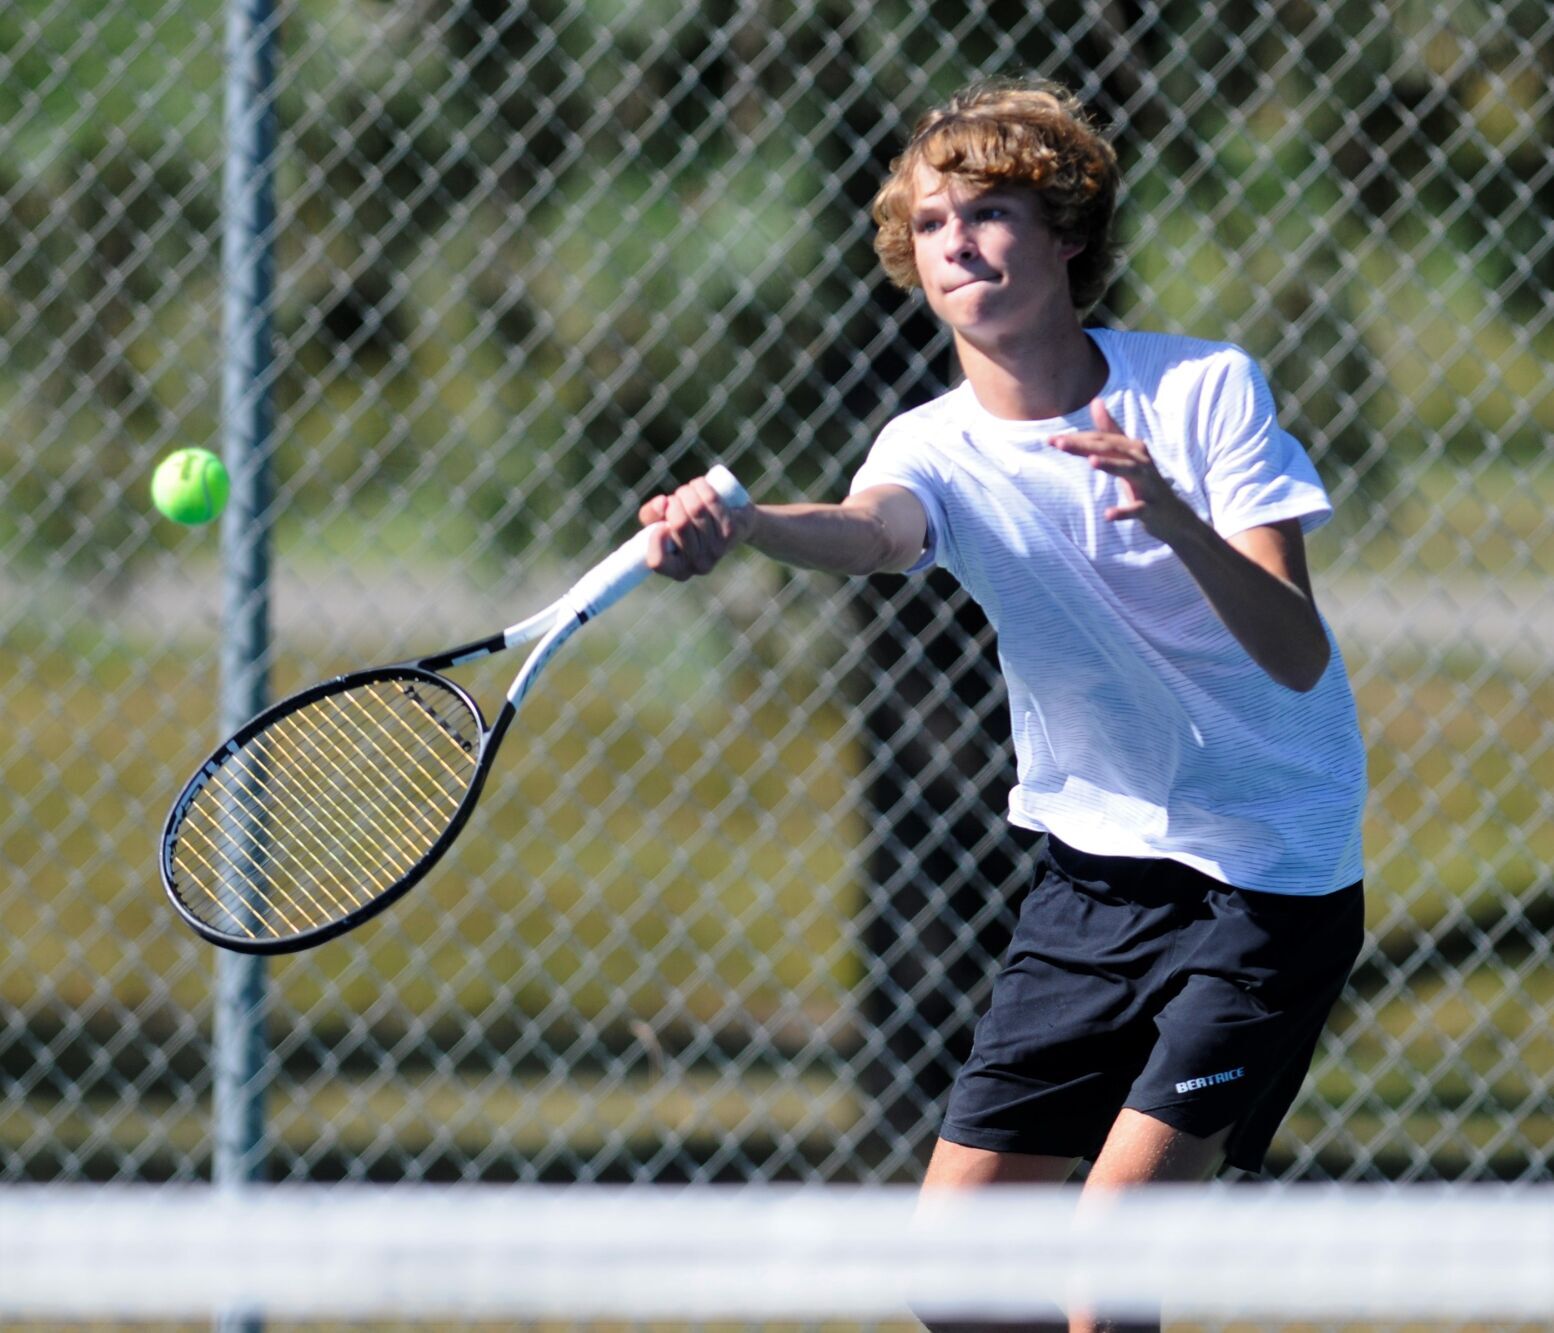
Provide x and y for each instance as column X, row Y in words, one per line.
column 1128, row 512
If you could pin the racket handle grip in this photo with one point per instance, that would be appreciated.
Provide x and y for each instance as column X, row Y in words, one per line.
column 617, row 574
column 728, row 488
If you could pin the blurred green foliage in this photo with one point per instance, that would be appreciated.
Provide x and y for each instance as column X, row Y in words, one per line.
column 626, row 238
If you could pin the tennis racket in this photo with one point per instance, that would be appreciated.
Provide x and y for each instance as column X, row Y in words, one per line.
column 333, row 803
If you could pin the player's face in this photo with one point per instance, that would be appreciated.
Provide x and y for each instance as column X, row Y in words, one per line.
column 990, row 266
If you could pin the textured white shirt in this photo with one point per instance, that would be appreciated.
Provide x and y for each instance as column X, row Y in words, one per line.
column 1141, row 727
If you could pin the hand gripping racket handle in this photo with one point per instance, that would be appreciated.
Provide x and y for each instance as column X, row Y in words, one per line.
column 617, row 574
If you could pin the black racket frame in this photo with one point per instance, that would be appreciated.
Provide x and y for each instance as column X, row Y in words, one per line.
column 230, row 748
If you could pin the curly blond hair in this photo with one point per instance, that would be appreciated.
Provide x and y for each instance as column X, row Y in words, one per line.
column 1029, row 133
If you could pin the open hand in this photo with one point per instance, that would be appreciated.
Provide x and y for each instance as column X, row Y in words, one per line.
column 1150, row 498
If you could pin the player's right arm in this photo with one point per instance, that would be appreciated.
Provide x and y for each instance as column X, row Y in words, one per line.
column 879, row 530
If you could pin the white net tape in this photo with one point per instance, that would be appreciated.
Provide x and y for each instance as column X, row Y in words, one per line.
column 1421, row 1252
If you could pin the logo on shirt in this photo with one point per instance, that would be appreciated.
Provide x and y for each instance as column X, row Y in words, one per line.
column 1210, row 1080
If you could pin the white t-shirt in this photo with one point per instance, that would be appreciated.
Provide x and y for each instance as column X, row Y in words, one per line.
column 1141, row 727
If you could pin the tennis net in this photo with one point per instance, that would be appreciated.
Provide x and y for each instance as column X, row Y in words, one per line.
column 1443, row 1255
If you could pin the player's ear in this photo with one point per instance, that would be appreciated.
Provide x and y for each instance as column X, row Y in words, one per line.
column 1070, row 248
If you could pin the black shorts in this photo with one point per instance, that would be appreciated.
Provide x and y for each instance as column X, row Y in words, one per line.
column 1145, row 984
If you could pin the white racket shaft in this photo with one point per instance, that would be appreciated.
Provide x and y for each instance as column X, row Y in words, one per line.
column 598, row 590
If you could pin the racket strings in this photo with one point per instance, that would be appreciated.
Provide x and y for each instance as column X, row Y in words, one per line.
column 327, row 808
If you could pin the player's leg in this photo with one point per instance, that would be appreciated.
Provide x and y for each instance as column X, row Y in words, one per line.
column 1142, row 1150
column 1147, row 998
column 1067, row 1029
column 1139, row 1150
column 1254, row 977
column 955, row 1166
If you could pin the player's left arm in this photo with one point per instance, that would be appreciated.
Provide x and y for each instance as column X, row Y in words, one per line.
column 1256, row 580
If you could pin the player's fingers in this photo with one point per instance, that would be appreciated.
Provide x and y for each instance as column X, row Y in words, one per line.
column 681, row 523
column 1085, row 444
column 1117, row 465
column 699, row 525
column 665, row 557
column 717, row 528
column 653, row 511
column 1117, row 512
column 695, row 529
column 1103, row 419
column 1090, row 444
column 712, row 513
column 733, row 524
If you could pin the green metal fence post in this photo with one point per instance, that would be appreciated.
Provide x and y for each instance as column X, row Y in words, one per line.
column 248, row 283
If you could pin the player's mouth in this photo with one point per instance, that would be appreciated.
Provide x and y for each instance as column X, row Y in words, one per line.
column 948, row 288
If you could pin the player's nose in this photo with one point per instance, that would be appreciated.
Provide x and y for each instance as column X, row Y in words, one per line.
column 958, row 241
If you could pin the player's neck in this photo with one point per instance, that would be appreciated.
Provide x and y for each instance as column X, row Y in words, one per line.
column 1032, row 379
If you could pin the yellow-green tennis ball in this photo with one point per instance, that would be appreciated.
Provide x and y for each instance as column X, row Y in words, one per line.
column 190, row 486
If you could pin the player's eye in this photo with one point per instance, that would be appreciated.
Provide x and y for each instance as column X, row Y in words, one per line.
column 925, row 226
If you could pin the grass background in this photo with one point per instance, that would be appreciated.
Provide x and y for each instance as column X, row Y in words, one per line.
column 684, row 945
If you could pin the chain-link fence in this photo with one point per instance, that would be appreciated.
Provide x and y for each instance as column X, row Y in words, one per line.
column 731, row 902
